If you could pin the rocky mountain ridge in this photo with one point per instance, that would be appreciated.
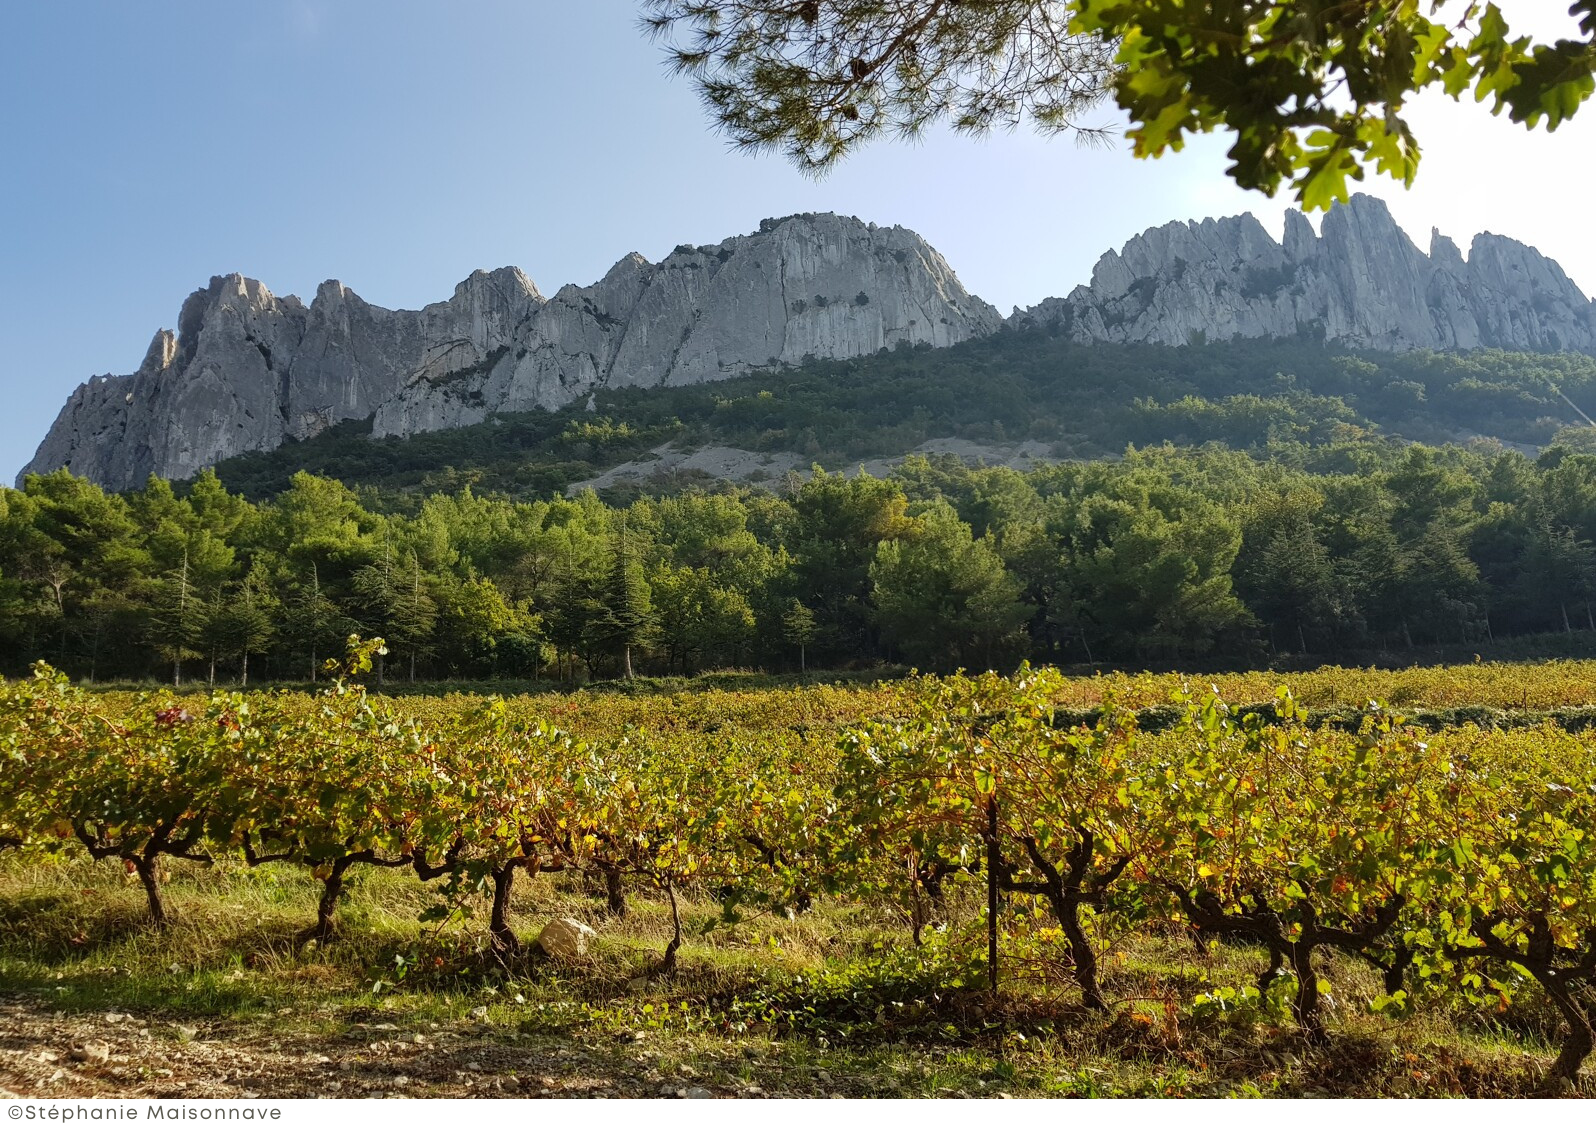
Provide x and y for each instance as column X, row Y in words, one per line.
column 247, row 370
column 1359, row 282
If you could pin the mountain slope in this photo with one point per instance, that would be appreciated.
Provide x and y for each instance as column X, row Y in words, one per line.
column 247, row 370
column 1040, row 395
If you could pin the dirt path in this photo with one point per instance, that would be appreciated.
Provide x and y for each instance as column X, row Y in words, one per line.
column 54, row 1054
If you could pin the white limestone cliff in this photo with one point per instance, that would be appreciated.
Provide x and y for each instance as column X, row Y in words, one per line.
column 809, row 285
column 1359, row 282
column 248, row 370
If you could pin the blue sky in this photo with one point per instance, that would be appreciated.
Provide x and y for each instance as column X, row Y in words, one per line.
column 399, row 144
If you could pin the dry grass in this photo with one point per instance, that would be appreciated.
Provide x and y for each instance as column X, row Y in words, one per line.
column 834, row 1001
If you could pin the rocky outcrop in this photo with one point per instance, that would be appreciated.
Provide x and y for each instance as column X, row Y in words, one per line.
column 1360, row 282
column 811, row 285
column 247, row 370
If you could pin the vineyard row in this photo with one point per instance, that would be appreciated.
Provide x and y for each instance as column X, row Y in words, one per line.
column 1461, row 863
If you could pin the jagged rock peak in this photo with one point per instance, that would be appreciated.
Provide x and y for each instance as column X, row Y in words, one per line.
column 506, row 279
column 1445, row 255
column 247, row 370
column 161, row 352
column 806, row 285
column 1360, row 281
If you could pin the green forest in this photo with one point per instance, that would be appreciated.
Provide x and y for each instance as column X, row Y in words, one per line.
column 1224, row 505
column 1199, row 557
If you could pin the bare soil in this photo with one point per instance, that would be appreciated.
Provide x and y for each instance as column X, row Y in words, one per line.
column 56, row 1054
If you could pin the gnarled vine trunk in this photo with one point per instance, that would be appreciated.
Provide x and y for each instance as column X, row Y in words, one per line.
column 332, row 889
column 1077, row 884
column 148, row 870
column 667, row 965
column 505, row 943
column 1292, row 945
column 1567, row 976
column 614, row 891
column 333, row 886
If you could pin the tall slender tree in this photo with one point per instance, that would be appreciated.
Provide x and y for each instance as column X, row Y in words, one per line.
column 798, row 629
column 247, row 620
column 627, row 621
column 178, row 622
column 414, row 614
column 312, row 620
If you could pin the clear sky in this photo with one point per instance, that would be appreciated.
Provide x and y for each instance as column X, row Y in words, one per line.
column 399, row 144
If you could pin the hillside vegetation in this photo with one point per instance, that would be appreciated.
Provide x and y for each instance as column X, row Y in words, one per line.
column 1083, row 401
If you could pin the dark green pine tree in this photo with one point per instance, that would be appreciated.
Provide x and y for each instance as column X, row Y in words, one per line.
column 628, row 617
column 798, row 628
column 312, row 621
column 414, row 615
column 179, row 619
column 377, row 587
column 248, row 620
